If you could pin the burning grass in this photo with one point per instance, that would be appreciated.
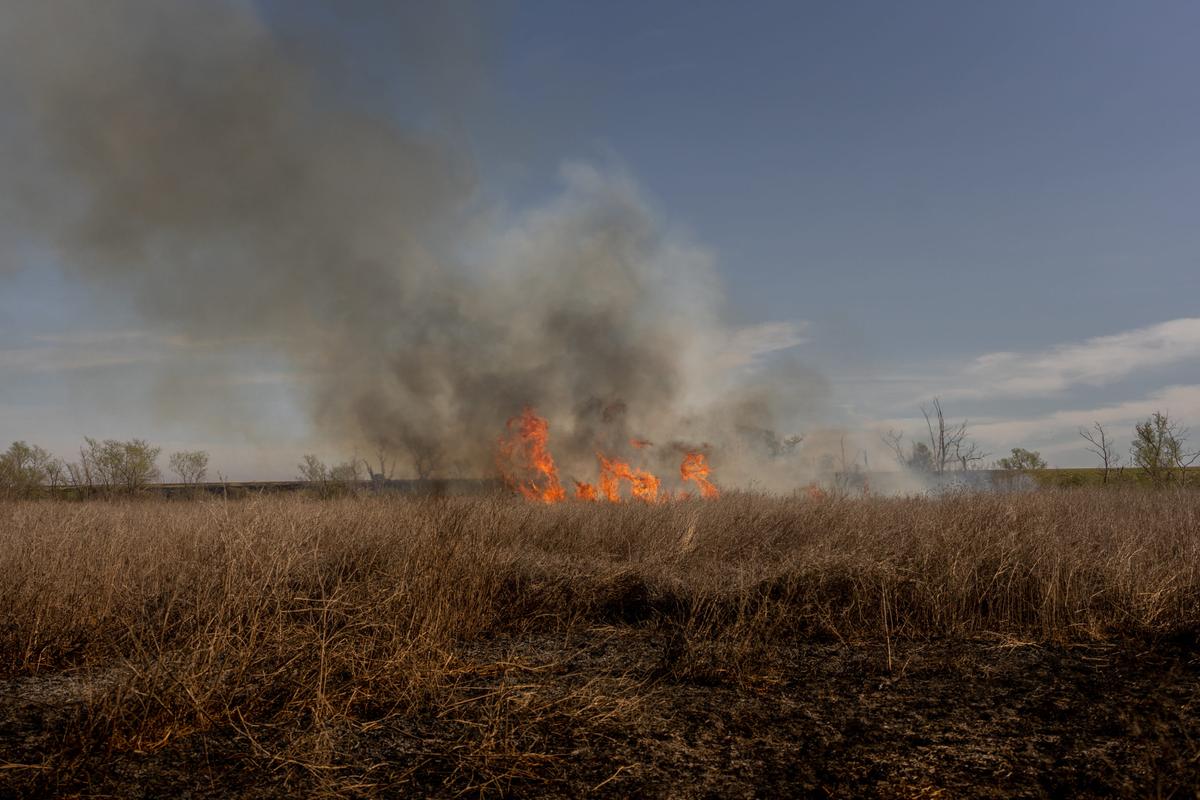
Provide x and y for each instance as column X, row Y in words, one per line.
column 490, row 645
column 524, row 460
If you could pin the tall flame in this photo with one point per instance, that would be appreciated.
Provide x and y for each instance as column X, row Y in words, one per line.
column 642, row 484
column 524, row 461
column 526, row 465
column 695, row 468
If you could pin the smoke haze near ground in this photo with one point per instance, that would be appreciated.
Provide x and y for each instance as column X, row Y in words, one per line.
column 215, row 171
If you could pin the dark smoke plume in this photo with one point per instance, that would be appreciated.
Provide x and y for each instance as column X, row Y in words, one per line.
column 226, row 176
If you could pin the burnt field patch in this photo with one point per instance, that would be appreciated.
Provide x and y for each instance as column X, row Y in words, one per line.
column 612, row 712
column 973, row 645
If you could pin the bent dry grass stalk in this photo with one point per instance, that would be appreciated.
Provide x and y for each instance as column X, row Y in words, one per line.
column 298, row 623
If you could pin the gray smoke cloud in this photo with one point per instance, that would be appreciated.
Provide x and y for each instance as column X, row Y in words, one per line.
column 227, row 177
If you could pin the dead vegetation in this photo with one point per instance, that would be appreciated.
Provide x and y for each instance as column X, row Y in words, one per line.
column 376, row 645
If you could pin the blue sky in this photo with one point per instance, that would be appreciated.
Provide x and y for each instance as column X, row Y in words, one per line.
column 994, row 203
column 944, row 177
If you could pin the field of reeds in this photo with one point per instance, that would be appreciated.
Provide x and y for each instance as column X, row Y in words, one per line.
column 1040, row 643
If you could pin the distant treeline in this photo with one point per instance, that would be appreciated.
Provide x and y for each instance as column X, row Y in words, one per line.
column 111, row 467
column 437, row 487
column 1158, row 456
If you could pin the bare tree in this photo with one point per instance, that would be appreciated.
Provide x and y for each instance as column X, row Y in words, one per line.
column 329, row 481
column 79, row 475
column 919, row 457
column 56, row 474
column 1100, row 445
column 346, row 473
column 894, row 441
column 943, row 438
column 968, row 454
column 848, row 474
column 315, row 473
column 191, row 466
column 313, row 469
column 426, row 457
column 386, row 462
column 775, row 445
column 949, row 444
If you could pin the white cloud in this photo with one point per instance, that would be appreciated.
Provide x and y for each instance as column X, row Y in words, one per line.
column 750, row 343
column 1182, row 402
column 1092, row 362
column 76, row 350
column 90, row 338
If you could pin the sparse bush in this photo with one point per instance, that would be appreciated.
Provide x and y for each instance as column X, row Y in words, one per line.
column 1159, row 449
column 326, row 481
column 191, row 466
column 27, row 471
column 426, row 456
column 345, row 473
column 313, row 469
column 1022, row 460
column 113, row 466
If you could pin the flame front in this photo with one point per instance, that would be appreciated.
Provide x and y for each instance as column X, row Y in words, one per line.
column 642, row 484
column 695, row 468
column 524, row 461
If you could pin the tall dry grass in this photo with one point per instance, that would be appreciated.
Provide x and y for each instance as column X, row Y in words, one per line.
column 287, row 619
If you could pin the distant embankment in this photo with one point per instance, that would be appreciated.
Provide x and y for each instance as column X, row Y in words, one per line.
column 1006, row 480
column 876, row 482
column 887, row 483
column 910, row 482
column 432, row 487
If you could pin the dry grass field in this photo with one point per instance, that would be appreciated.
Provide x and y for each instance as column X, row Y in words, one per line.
column 972, row 645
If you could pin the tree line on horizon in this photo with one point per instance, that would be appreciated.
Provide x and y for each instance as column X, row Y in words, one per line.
column 104, row 467
column 1158, row 453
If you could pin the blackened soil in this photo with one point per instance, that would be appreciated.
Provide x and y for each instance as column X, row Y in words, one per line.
column 627, row 711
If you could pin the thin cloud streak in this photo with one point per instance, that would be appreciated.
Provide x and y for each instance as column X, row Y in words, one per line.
column 1094, row 362
column 749, row 344
column 84, row 350
column 1181, row 401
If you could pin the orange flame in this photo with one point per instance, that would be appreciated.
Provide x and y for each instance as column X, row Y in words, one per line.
column 525, row 462
column 815, row 492
column 695, row 468
column 526, row 465
column 643, row 485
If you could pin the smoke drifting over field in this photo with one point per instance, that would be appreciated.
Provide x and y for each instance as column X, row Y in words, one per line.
column 187, row 154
